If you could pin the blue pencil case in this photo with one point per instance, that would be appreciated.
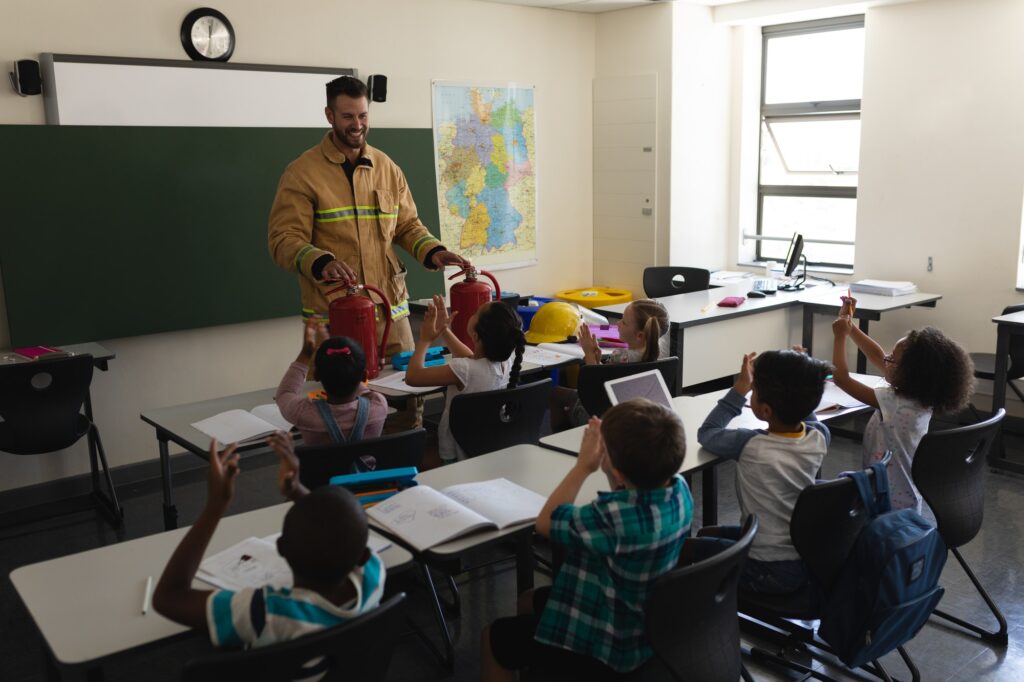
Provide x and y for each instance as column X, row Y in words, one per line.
column 434, row 357
column 402, row 477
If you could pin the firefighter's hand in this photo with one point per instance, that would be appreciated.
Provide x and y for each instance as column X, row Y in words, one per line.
column 338, row 272
column 444, row 258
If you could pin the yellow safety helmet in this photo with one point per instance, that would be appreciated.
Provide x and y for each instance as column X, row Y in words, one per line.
column 553, row 323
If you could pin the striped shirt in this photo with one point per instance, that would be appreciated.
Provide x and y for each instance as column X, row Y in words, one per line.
column 258, row 617
column 615, row 547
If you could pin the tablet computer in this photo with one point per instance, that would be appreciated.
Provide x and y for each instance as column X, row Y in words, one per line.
column 649, row 384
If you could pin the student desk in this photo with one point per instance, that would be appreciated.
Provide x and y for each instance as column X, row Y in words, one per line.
column 710, row 351
column 1006, row 326
column 88, row 606
column 692, row 411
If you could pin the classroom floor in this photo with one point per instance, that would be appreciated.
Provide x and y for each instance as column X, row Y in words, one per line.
column 997, row 555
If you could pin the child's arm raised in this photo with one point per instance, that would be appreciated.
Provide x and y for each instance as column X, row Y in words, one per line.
column 288, row 466
column 592, row 452
column 174, row 596
column 713, row 434
column 433, row 325
column 290, row 397
column 841, row 328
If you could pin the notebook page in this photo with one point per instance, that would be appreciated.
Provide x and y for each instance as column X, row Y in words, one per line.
column 396, row 382
column 271, row 414
column 424, row 517
column 253, row 562
column 499, row 499
column 546, row 357
column 234, row 426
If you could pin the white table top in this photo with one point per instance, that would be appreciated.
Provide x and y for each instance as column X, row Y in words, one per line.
column 1011, row 320
column 89, row 605
column 531, row 466
column 829, row 297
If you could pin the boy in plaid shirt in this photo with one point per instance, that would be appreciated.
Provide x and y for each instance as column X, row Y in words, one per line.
column 590, row 623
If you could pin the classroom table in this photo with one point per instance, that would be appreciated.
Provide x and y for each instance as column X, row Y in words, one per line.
column 1006, row 326
column 88, row 606
column 709, row 339
column 692, row 411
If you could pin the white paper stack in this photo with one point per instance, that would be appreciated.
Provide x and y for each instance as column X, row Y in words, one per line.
column 883, row 287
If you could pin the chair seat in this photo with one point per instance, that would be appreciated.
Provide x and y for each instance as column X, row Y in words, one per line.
column 984, row 365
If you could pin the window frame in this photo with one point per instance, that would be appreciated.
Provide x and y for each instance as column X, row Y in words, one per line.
column 810, row 110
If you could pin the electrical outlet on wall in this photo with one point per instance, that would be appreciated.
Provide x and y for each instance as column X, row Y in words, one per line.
column 929, row 263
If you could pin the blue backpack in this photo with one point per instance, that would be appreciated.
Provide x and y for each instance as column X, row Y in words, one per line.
column 888, row 586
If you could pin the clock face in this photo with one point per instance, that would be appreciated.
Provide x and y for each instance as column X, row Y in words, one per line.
column 211, row 37
column 207, row 35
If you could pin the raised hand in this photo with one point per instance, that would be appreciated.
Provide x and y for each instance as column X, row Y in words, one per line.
column 745, row 379
column 220, row 479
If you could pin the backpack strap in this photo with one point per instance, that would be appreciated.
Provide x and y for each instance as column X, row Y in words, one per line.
column 362, row 416
column 881, row 487
column 337, row 437
column 867, row 493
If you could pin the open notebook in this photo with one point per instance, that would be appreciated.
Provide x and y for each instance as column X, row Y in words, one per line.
column 424, row 517
column 239, row 426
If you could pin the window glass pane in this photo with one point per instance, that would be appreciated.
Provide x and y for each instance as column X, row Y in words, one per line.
column 813, row 217
column 815, row 67
column 810, row 151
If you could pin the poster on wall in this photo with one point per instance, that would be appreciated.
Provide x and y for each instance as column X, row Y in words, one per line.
column 485, row 151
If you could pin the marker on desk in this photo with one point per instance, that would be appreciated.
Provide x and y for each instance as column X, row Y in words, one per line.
column 148, row 595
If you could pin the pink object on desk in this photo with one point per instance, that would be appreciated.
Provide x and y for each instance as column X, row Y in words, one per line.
column 732, row 301
column 35, row 352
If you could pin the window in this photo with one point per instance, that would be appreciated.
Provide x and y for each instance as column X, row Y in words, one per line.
column 811, row 83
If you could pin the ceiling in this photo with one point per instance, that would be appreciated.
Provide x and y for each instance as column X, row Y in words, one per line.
column 596, row 6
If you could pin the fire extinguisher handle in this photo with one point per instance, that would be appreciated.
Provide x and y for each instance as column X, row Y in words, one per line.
column 463, row 271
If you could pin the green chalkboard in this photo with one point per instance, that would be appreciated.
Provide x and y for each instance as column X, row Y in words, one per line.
column 113, row 231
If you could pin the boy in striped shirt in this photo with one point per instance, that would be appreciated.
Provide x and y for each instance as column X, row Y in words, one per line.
column 590, row 623
column 337, row 577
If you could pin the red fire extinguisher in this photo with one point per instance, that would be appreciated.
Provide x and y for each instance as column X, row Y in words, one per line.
column 353, row 315
column 467, row 296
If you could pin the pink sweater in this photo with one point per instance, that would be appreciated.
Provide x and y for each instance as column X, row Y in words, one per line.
column 297, row 408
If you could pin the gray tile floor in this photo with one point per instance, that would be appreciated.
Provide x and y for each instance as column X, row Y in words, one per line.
column 997, row 556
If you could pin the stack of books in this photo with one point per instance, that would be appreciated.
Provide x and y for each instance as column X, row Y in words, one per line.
column 882, row 287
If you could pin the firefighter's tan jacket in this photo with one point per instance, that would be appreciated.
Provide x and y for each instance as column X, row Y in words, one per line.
column 315, row 213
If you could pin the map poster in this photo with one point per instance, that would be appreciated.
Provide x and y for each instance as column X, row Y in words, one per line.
column 485, row 151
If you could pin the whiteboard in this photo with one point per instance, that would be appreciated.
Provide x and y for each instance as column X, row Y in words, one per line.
column 110, row 91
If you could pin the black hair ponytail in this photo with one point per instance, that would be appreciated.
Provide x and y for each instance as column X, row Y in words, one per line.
column 517, row 363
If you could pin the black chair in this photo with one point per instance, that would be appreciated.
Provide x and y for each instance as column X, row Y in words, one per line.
column 360, row 649
column 318, row 464
column 491, row 420
column 669, row 280
column 41, row 411
column 985, row 363
column 592, row 378
column 705, row 644
column 949, row 471
column 824, row 527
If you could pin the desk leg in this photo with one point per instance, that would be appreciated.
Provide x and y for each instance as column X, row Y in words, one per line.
column 807, row 339
column 675, row 347
column 862, row 360
column 170, row 511
column 91, row 439
column 709, row 489
column 524, row 562
column 997, row 452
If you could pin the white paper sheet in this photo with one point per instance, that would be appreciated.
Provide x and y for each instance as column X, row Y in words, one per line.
column 424, row 517
column 499, row 500
column 235, row 426
column 271, row 414
column 253, row 562
column 546, row 357
column 396, row 382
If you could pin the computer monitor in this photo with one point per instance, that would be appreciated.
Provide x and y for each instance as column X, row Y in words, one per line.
column 793, row 258
column 796, row 249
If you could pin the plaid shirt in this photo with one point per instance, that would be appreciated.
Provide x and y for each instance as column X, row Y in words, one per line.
column 615, row 547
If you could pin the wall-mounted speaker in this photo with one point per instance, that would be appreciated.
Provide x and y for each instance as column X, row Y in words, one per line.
column 25, row 77
column 378, row 86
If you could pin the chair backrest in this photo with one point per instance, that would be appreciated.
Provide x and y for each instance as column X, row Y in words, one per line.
column 826, row 521
column 359, row 649
column 661, row 281
column 318, row 464
column 949, row 471
column 691, row 615
column 41, row 403
column 491, row 420
column 1016, row 369
column 592, row 378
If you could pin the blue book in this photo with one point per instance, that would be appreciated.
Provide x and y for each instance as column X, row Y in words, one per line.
column 399, row 475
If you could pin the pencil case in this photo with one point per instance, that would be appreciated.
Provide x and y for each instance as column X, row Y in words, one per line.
column 434, row 357
column 731, row 301
column 377, row 480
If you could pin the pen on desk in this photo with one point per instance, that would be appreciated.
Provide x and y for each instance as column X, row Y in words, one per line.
column 706, row 308
column 148, row 595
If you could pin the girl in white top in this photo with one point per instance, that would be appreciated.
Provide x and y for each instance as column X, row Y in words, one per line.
column 926, row 371
column 496, row 331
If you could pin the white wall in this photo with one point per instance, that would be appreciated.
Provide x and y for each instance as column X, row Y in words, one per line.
column 701, row 143
column 409, row 40
column 942, row 159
